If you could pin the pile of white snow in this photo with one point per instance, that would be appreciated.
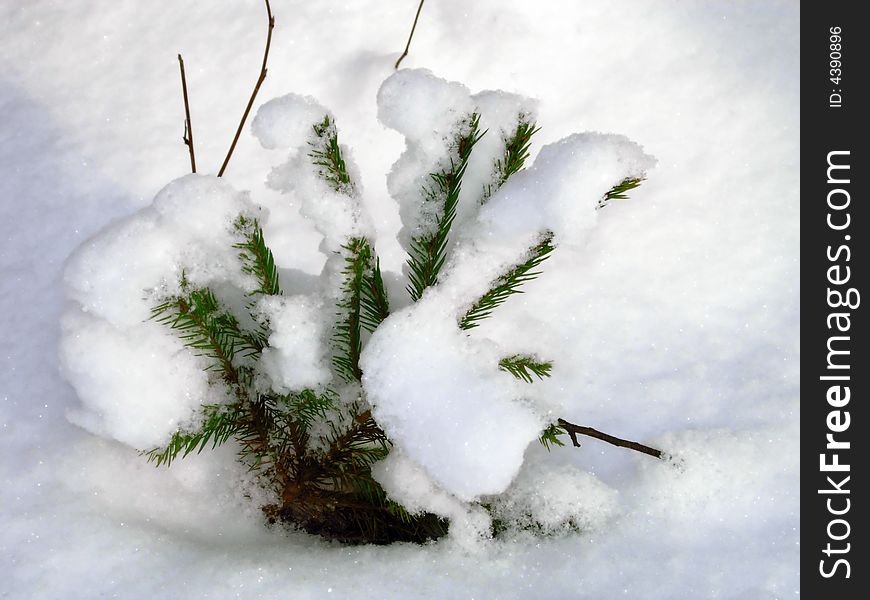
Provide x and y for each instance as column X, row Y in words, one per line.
column 672, row 318
column 136, row 380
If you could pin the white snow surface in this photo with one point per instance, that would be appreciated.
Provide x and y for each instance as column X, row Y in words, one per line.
column 406, row 482
column 561, row 190
column 295, row 357
column 286, row 121
column 555, row 499
column 335, row 213
column 443, row 400
column 674, row 321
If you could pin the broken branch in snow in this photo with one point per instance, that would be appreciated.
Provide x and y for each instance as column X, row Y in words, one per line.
column 260, row 81
column 188, row 128
column 573, row 430
column 410, row 37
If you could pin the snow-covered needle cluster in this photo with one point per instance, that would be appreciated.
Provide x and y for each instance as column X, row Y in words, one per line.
column 369, row 417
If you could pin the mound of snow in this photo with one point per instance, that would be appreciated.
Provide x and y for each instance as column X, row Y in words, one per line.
column 295, row 358
column 554, row 499
column 286, row 121
column 441, row 398
column 138, row 384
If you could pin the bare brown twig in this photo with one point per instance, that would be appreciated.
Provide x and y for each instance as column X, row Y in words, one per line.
column 410, row 37
column 188, row 128
column 260, row 81
column 573, row 430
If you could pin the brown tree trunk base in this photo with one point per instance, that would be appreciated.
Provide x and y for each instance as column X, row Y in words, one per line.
column 350, row 520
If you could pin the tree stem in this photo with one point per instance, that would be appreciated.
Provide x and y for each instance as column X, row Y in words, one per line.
column 188, row 127
column 410, row 37
column 260, row 80
column 573, row 430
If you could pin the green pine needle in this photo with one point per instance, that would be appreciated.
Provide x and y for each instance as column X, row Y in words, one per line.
column 256, row 257
column 327, row 157
column 508, row 284
column 352, row 452
column 428, row 251
column 220, row 424
column 375, row 303
column 348, row 334
column 524, row 367
column 550, row 437
column 264, row 434
column 306, row 406
column 206, row 328
column 516, row 152
column 620, row 190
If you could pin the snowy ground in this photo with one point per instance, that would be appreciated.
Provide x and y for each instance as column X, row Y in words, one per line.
column 680, row 326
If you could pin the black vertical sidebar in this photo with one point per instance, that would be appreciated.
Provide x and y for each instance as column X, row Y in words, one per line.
column 835, row 225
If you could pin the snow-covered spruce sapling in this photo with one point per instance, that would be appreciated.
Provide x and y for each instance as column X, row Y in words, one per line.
column 317, row 490
column 368, row 416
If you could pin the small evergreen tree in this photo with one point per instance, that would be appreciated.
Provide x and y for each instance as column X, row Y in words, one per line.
column 314, row 452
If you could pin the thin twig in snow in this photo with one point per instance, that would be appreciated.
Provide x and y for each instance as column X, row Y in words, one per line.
column 573, row 430
column 410, row 37
column 260, row 80
column 188, row 128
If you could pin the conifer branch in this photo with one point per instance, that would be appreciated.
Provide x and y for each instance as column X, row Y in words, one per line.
column 550, row 437
column 205, row 328
column 516, row 152
column 364, row 301
column 307, row 406
column 428, row 251
column 572, row 430
column 296, row 413
column 620, row 190
column 346, row 470
column 524, row 367
column 346, row 465
column 411, row 36
column 256, row 257
column 348, row 334
column 219, row 426
column 508, row 284
column 187, row 138
column 260, row 80
column 375, row 303
column 327, row 156
column 261, row 427
column 361, row 445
